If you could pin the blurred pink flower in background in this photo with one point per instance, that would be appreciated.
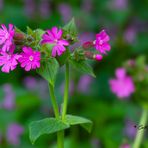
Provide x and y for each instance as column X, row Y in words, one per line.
column 125, row 146
column 119, row 4
column 38, row 85
column 1, row 5
column 14, row 131
column 122, row 85
column 95, row 143
column 84, row 83
column 54, row 36
column 30, row 83
column 87, row 5
column 130, row 34
column 9, row 98
column 71, row 87
column 130, row 130
column 65, row 11
column 44, row 8
column 29, row 7
column 30, row 59
column 6, row 37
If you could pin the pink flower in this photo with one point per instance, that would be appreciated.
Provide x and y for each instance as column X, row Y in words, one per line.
column 101, row 43
column 8, row 60
column 6, row 37
column 30, row 59
column 14, row 132
column 125, row 146
column 123, row 85
column 54, row 36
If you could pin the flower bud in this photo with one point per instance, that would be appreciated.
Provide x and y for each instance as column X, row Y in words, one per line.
column 19, row 36
column 98, row 57
column 87, row 45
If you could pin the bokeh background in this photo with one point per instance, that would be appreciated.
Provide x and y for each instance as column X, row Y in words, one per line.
column 24, row 97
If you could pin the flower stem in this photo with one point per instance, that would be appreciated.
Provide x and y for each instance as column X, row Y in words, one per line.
column 60, row 135
column 140, row 132
column 64, row 110
column 54, row 102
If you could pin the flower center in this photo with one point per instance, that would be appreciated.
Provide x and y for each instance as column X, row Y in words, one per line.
column 56, row 41
column 31, row 58
column 101, row 42
column 8, row 57
column 94, row 42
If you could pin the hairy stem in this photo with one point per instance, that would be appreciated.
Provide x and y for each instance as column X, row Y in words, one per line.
column 66, row 91
column 140, row 132
column 60, row 135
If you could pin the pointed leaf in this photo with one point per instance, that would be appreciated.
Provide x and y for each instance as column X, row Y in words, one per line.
column 63, row 58
column 71, row 27
column 74, row 120
column 45, row 126
column 49, row 69
column 82, row 66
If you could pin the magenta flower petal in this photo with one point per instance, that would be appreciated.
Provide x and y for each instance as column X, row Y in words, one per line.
column 30, row 59
column 101, row 43
column 53, row 36
column 6, row 37
column 8, row 61
column 64, row 42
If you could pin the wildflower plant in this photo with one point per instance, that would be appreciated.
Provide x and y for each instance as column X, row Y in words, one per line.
column 45, row 52
column 132, row 80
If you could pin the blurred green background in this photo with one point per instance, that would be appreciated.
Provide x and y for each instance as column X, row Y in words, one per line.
column 24, row 97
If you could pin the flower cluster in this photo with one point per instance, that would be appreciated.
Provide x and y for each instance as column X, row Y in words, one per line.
column 29, row 58
column 9, row 59
column 100, row 43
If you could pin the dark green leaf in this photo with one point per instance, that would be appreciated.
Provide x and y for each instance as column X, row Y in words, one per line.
column 63, row 58
column 74, row 120
column 49, row 69
column 82, row 66
column 71, row 27
column 29, row 31
column 71, row 30
column 45, row 126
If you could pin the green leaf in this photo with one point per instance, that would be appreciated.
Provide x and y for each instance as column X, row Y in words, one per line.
column 71, row 30
column 74, row 120
column 45, row 126
column 71, row 27
column 63, row 58
column 18, row 30
column 39, row 33
column 29, row 31
column 82, row 66
column 49, row 69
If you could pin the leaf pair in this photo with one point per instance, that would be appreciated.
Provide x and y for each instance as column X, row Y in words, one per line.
column 52, row 125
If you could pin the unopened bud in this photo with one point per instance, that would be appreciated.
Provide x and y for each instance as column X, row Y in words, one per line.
column 87, row 45
column 19, row 36
column 98, row 57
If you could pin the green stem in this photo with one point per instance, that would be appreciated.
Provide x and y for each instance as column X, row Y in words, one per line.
column 64, row 110
column 60, row 135
column 54, row 102
column 140, row 132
